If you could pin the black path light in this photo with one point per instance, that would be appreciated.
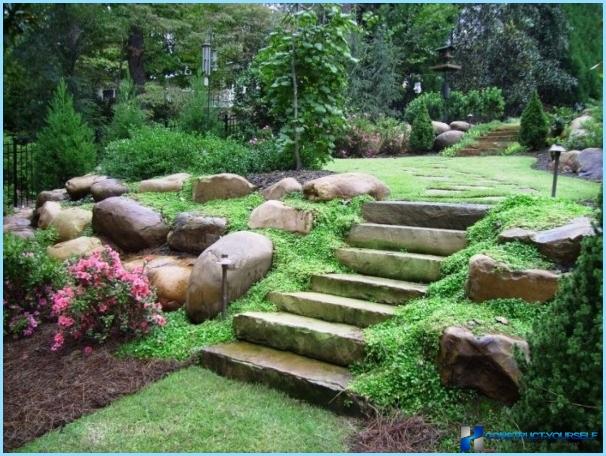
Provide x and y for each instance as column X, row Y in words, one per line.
column 555, row 151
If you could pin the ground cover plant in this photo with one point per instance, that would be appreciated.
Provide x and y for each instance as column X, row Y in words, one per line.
column 470, row 137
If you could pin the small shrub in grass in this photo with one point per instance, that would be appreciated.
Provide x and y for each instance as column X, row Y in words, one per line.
column 103, row 299
column 534, row 125
column 515, row 149
column 421, row 135
column 30, row 275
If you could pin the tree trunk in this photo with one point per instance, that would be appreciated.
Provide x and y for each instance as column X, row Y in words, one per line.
column 134, row 52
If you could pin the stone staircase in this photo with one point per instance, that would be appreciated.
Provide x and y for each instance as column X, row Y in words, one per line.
column 493, row 143
column 305, row 347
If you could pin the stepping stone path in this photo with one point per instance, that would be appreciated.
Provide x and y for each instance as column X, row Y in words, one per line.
column 492, row 143
column 305, row 347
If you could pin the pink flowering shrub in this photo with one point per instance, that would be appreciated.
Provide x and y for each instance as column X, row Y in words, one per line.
column 30, row 276
column 103, row 299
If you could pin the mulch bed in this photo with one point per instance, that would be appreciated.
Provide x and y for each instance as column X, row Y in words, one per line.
column 396, row 434
column 263, row 180
column 44, row 390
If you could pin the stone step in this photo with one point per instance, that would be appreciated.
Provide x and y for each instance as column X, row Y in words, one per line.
column 336, row 343
column 426, row 214
column 436, row 241
column 303, row 378
column 376, row 289
column 415, row 267
column 336, row 309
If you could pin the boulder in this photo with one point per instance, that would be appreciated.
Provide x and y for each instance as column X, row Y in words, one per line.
column 71, row 222
column 568, row 163
column 460, row 125
column 563, row 244
column 345, row 186
column 59, row 194
column 250, row 255
column 447, row 139
column 576, row 126
column 107, row 188
column 79, row 187
column 128, row 224
column 19, row 223
column 439, row 127
column 76, row 247
column 516, row 234
column 590, row 164
column 282, row 188
column 486, row 363
column 172, row 183
column 489, row 279
column 220, row 186
column 194, row 232
column 47, row 213
column 276, row 214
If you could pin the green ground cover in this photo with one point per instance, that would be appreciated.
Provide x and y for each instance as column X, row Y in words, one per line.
column 195, row 410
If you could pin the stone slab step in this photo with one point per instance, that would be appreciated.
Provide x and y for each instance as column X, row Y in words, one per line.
column 336, row 309
column 376, row 289
column 415, row 267
column 436, row 241
column 336, row 343
column 427, row 214
column 303, row 378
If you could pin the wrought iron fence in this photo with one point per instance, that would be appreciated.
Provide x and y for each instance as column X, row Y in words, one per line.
column 230, row 123
column 18, row 172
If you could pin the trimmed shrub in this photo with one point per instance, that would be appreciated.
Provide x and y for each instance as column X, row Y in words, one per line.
column 64, row 147
column 534, row 125
column 421, row 135
column 433, row 102
column 492, row 103
column 29, row 277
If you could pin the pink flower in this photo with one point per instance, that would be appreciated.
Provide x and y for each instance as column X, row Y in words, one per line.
column 88, row 350
column 58, row 341
column 66, row 322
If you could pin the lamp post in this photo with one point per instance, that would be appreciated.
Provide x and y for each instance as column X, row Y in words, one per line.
column 555, row 151
column 207, row 67
column 445, row 67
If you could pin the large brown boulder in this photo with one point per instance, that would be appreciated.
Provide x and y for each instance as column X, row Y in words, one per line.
column 71, row 222
column 561, row 244
column 19, row 223
column 250, row 255
column 568, row 163
column 276, row 214
column 59, row 194
column 460, row 125
column 107, row 188
column 128, row 224
column 220, row 186
column 172, row 183
column 47, row 213
column 79, row 187
column 345, row 186
column 485, row 363
column 76, row 247
column 489, row 279
column 447, row 139
column 194, row 232
column 439, row 127
column 282, row 188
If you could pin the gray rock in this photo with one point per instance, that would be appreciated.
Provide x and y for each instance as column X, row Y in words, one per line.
column 563, row 244
column 194, row 232
column 282, row 188
column 276, row 214
column 590, row 164
column 447, row 139
column 79, row 187
column 107, row 188
column 128, row 224
column 485, row 363
column 59, row 194
column 220, row 186
column 460, row 125
column 439, row 127
column 251, row 257
column 171, row 183
column 19, row 223
column 516, row 234
column 345, row 186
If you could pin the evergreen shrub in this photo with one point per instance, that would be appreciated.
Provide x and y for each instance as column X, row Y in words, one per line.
column 421, row 136
column 534, row 125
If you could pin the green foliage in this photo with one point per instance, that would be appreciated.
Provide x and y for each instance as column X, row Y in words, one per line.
column 433, row 103
column 421, row 135
column 196, row 117
column 592, row 135
column 470, row 137
column 164, row 104
column 533, row 124
column 128, row 115
column 562, row 387
column 365, row 138
column 64, row 147
column 303, row 73
column 515, row 149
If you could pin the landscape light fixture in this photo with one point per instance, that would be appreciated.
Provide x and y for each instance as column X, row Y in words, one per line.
column 555, row 151
column 226, row 264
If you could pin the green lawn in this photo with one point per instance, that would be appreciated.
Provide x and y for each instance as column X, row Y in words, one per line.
column 194, row 410
column 417, row 178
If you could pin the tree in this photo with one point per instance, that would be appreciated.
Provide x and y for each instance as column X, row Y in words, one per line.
column 421, row 135
column 304, row 76
column 534, row 124
column 64, row 148
column 196, row 115
column 128, row 115
column 562, row 385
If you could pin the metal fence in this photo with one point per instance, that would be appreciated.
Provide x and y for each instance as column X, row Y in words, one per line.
column 230, row 123
column 18, row 172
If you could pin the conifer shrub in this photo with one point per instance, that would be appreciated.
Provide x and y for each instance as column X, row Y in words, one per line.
column 421, row 136
column 64, row 147
column 128, row 114
column 534, row 124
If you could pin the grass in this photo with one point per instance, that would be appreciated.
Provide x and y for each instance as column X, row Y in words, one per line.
column 409, row 178
column 194, row 410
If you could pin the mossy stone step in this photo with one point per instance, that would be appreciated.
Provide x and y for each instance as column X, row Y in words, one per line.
column 415, row 267
column 376, row 289
column 436, row 241
column 303, row 378
column 336, row 343
column 336, row 309
column 431, row 215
